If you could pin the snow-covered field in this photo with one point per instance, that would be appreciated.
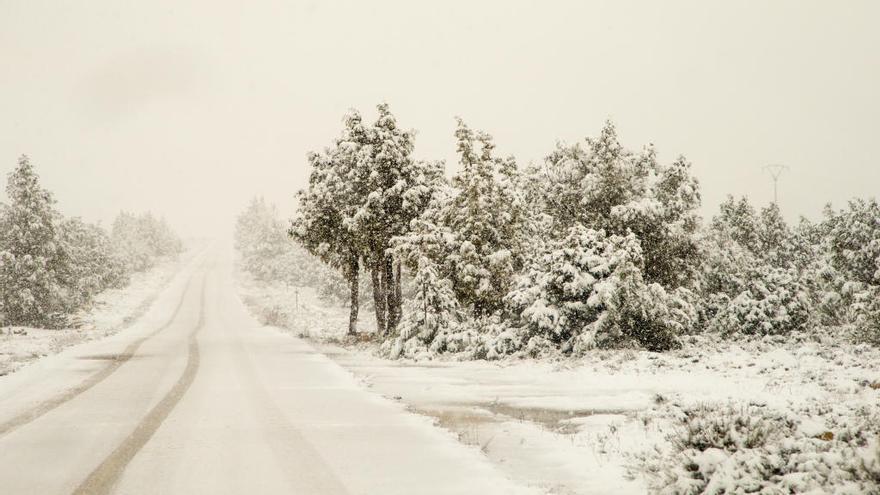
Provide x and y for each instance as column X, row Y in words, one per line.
column 112, row 311
column 801, row 412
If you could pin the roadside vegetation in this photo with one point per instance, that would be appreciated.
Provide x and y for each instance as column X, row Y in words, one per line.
column 597, row 247
column 52, row 266
column 597, row 255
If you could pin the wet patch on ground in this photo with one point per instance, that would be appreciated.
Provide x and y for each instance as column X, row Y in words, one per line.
column 560, row 421
column 108, row 357
column 464, row 416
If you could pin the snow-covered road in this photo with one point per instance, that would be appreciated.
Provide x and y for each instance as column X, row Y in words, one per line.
column 196, row 397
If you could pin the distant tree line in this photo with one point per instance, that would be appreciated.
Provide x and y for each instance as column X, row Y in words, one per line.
column 268, row 255
column 52, row 266
column 597, row 246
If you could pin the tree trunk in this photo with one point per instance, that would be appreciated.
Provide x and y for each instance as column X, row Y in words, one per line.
column 392, row 290
column 380, row 299
column 353, row 275
column 398, row 292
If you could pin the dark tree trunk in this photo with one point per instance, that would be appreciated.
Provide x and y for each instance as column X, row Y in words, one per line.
column 353, row 275
column 392, row 292
column 380, row 299
column 398, row 292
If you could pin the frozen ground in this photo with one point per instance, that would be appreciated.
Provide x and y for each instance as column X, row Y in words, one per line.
column 591, row 425
column 113, row 310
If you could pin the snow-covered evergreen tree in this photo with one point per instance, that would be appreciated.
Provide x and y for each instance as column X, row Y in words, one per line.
column 588, row 291
column 30, row 259
column 773, row 301
column 854, row 234
column 754, row 278
column 483, row 219
column 270, row 255
column 143, row 239
column 91, row 263
column 850, row 274
column 398, row 189
column 603, row 186
column 323, row 223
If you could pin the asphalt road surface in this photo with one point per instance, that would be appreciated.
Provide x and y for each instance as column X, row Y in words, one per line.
column 196, row 397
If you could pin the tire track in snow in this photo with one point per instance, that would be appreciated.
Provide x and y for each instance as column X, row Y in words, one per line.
column 104, row 477
column 48, row 405
column 285, row 439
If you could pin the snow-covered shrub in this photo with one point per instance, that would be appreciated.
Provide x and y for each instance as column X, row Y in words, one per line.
column 50, row 266
column 722, row 449
column 587, row 291
column 854, row 236
column 866, row 310
column 143, row 239
column 603, row 186
column 638, row 313
column 268, row 254
column 91, row 263
column 756, row 278
column 432, row 307
column 469, row 337
column 773, row 301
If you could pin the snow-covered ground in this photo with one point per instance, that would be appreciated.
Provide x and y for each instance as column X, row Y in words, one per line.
column 112, row 311
column 616, row 421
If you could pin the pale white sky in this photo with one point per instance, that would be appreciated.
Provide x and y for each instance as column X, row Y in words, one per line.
column 188, row 108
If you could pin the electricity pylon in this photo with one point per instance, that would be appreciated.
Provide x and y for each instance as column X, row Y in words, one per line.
column 775, row 171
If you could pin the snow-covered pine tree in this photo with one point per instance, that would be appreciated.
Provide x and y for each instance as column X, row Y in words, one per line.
column 603, row 186
column 269, row 254
column 854, row 234
column 143, row 239
column 851, row 275
column 397, row 189
column 587, row 290
column 738, row 221
column 487, row 218
column 325, row 217
column 753, row 279
column 91, row 263
column 29, row 252
column 432, row 307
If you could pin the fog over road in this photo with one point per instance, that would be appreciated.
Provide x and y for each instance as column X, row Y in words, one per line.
column 197, row 397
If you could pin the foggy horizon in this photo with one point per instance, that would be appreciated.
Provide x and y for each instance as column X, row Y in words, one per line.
column 193, row 109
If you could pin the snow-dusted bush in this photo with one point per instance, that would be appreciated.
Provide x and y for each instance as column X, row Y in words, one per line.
column 432, row 307
column 587, row 291
column 268, row 254
column 646, row 315
column 143, row 240
column 755, row 278
column 722, row 449
column 603, row 186
column 92, row 263
column 51, row 267
column 854, row 235
column 773, row 301
column 866, row 315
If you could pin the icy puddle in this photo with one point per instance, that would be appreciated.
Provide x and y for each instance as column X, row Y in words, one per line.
column 563, row 439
